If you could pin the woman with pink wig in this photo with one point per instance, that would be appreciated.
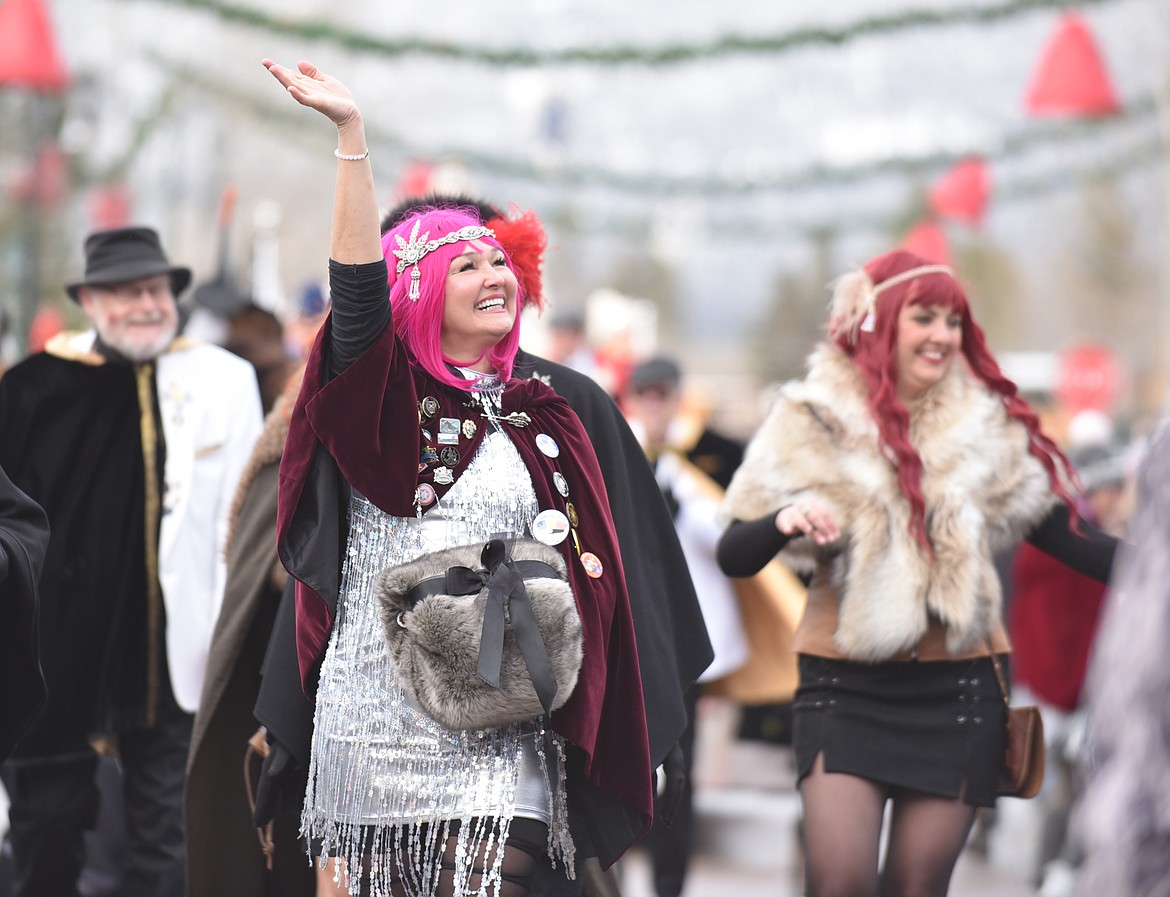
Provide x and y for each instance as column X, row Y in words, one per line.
column 409, row 404
column 891, row 474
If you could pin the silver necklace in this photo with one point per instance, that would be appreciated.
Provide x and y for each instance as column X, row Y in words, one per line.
column 488, row 392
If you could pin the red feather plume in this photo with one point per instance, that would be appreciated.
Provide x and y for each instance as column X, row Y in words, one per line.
column 523, row 236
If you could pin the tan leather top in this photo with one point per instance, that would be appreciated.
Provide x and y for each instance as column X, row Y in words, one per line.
column 814, row 635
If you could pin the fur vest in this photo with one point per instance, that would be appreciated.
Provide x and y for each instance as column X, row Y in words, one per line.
column 982, row 488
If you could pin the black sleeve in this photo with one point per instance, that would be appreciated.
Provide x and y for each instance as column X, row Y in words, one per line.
column 281, row 705
column 1091, row 552
column 359, row 296
column 747, row 545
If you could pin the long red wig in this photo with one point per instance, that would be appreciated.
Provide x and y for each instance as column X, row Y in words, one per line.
column 875, row 353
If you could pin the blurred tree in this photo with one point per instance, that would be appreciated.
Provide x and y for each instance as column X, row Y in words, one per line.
column 793, row 320
column 638, row 273
column 34, row 176
column 1110, row 291
column 993, row 288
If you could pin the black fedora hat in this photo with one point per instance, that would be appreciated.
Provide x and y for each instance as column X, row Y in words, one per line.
column 123, row 254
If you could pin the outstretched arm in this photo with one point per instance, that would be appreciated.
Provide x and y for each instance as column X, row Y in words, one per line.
column 1089, row 552
column 357, row 274
column 748, row 545
column 356, row 238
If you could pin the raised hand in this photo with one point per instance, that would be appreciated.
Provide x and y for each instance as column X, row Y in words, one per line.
column 355, row 238
column 311, row 87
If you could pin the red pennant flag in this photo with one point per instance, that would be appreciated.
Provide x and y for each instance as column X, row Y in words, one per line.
column 46, row 323
column 109, row 206
column 1071, row 78
column 962, row 192
column 28, row 52
column 416, row 180
column 928, row 240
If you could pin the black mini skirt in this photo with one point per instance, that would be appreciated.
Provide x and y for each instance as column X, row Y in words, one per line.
column 931, row 726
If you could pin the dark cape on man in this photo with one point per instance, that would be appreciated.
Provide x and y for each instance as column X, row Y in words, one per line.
column 92, row 582
column 24, row 536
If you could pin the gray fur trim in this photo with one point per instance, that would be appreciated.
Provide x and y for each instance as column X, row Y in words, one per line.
column 436, row 649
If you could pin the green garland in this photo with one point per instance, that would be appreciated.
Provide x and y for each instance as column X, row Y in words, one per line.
column 387, row 143
column 671, row 54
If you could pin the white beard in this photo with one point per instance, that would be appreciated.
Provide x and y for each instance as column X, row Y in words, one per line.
column 136, row 351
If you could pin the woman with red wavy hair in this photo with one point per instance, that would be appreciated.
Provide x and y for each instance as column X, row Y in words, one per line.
column 890, row 474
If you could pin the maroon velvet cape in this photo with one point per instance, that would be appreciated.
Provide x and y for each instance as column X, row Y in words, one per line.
column 367, row 419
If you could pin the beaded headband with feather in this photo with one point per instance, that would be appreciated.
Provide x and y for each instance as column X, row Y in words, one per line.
column 411, row 252
column 854, row 302
column 520, row 233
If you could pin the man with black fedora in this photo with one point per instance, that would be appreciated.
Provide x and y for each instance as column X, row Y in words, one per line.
column 132, row 438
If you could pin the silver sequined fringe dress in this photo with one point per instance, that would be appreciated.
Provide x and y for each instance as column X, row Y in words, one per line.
column 380, row 766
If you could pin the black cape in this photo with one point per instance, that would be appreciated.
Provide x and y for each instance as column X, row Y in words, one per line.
column 24, row 536
column 673, row 648
column 70, row 439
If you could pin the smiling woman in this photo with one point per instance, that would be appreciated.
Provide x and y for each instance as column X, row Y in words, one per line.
column 409, row 397
column 929, row 337
column 480, row 306
column 890, row 474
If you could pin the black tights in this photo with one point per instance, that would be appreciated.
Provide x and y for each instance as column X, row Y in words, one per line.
column 842, row 837
column 525, row 844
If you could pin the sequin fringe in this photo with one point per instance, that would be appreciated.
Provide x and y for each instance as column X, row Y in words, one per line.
column 385, row 780
column 560, row 840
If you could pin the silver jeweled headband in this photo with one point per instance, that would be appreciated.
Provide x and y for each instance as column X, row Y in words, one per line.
column 410, row 252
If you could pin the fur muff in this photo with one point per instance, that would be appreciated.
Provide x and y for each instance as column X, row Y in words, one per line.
column 435, row 648
column 982, row 488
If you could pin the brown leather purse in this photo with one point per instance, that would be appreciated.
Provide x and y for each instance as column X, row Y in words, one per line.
column 1023, row 760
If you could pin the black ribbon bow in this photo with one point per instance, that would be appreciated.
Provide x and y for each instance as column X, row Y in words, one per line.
column 507, row 598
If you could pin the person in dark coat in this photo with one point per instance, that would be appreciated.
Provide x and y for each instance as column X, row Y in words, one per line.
column 132, row 439
column 692, row 464
column 24, row 537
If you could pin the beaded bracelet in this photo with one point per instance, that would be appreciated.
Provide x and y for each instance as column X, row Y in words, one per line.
column 351, row 157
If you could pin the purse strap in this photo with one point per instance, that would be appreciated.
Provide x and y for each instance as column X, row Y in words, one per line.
column 999, row 677
column 258, row 747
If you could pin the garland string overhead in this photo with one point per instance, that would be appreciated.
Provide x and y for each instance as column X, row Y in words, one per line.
column 1138, row 155
column 670, row 54
column 1138, row 110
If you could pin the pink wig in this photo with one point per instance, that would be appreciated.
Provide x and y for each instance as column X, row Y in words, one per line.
column 875, row 353
column 418, row 323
